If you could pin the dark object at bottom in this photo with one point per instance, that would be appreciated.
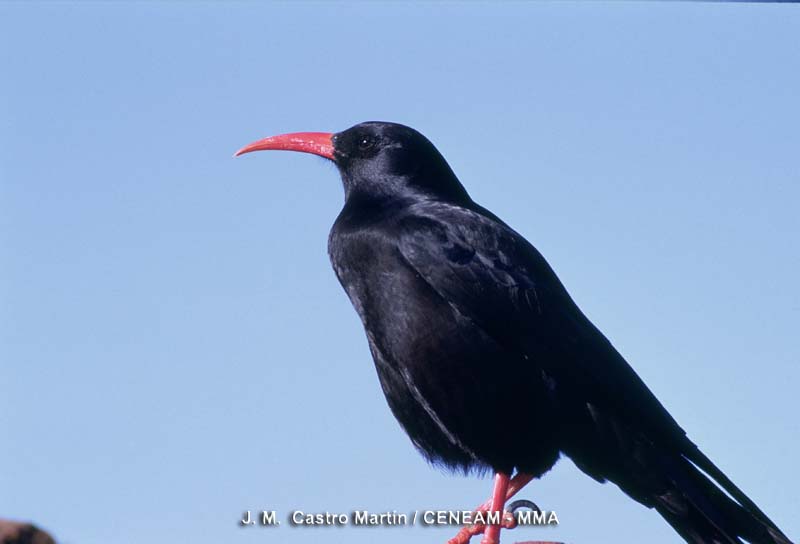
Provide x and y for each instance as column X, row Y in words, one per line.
column 13, row 532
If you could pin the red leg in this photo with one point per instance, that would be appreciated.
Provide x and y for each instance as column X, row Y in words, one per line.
column 492, row 534
column 517, row 482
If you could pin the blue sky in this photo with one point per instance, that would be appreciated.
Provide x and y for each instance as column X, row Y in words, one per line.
column 175, row 348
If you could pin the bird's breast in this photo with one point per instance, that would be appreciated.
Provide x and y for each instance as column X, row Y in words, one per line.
column 444, row 378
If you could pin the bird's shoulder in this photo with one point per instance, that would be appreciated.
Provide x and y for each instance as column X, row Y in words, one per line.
column 472, row 257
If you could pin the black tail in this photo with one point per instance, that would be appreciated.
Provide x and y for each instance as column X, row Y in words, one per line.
column 677, row 480
column 703, row 513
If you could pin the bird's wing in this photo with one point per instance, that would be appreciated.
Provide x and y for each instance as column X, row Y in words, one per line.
column 494, row 277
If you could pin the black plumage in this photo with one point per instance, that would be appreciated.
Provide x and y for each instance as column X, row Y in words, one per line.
column 472, row 332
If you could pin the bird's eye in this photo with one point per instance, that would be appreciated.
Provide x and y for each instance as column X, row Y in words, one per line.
column 366, row 143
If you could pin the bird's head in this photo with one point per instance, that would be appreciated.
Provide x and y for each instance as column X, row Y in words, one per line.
column 376, row 158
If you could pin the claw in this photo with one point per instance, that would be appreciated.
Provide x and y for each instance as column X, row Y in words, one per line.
column 466, row 533
column 508, row 522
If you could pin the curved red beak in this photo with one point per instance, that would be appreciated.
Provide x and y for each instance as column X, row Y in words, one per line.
column 318, row 143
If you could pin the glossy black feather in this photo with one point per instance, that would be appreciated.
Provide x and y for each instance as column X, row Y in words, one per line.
column 472, row 333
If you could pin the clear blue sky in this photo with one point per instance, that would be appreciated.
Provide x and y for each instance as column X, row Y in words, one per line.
column 174, row 347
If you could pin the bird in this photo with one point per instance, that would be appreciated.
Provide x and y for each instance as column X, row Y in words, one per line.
column 469, row 328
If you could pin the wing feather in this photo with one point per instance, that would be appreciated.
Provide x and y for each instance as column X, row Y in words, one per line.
column 493, row 276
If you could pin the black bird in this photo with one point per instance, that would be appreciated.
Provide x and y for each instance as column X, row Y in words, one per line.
column 469, row 326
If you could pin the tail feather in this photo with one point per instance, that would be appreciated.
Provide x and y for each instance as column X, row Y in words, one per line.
column 703, row 513
column 677, row 480
column 697, row 457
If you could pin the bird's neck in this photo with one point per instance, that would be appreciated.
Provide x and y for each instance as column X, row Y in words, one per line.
column 400, row 190
column 367, row 207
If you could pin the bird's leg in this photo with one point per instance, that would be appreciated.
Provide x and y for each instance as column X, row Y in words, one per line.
column 501, row 481
column 517, row 482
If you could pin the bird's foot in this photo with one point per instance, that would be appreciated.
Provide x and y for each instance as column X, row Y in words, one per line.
column 502, row 491
column 508, row 521
column 466, row 533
